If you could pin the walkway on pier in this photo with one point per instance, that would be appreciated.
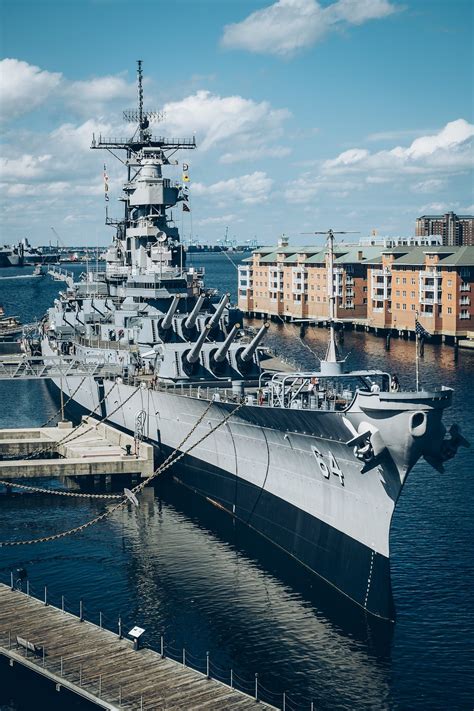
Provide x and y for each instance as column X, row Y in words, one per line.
column 94, row 663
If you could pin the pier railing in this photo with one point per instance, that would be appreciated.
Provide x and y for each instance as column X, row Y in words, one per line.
column 70, row 668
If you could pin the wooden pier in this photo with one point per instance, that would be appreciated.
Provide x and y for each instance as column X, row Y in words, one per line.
column 98, row 665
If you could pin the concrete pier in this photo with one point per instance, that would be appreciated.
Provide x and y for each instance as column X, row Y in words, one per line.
column 102, row 666
column 92, row 448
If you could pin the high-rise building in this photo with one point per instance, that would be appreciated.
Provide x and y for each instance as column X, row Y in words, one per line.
column 456, row 230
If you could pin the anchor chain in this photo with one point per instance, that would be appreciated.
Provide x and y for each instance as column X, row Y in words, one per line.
column 169, row 461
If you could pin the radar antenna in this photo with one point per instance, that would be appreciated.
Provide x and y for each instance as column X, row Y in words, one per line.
column 143, row 118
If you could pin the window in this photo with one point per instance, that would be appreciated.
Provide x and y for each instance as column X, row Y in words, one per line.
column 404, row 307
column 450, row 297
column 413, row 307
column 404, row 293
column 397, row 280
column 412, row 294
column 397, row 306
column 450, row 283
column 465, row 314
column 404, row 280
column 413, row 280
column 450, row 311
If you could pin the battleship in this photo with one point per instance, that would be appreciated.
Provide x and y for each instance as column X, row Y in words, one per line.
column 314, row 461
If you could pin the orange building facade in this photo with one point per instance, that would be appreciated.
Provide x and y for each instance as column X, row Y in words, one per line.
column 383, row 288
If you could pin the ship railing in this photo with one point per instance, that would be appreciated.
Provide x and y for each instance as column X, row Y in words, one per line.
column 91, row 342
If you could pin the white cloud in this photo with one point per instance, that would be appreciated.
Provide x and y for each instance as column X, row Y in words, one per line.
column 290, row 25
column 91, row 96
column 24, row 167
column 249, row 189
column 256, row 153
column 219, row 220
column 449, row 150
column 437, row 208
column 214, row 119
column 24, row 87
column 428, row 186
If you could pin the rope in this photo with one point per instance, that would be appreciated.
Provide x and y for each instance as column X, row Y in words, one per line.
column 163, row 467
column 53, row 417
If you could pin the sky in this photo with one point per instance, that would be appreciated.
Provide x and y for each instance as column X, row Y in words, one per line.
column 308, row 115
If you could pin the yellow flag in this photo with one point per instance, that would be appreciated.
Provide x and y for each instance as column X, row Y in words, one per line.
column 185, row 178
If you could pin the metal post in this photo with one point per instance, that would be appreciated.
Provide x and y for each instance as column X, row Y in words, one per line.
column 100, row 620
column 61, row 672
column 28, row 588
column 80, row 674
column 120, row 628
column 312, row 706
column 9, row 639
column 45, row 595
column 81, row 610
column 256, row 686
column 207, row 665
column 284, row 701
column 100, row 685
column 162, row 645
column 184, row 657
column 231, row 679
column 11, row 580
column 141, row 702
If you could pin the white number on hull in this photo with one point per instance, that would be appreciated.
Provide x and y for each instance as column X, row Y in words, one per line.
column 333, row 467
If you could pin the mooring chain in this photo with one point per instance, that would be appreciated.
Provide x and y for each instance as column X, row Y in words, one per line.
column 79, row 495
column 166, row 465
column 61, row 409
column 68, row 436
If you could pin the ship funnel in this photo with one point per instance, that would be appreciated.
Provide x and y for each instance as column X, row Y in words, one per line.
column 168, row 319
column 247, row 354
column 191, row 320
column 193, row 355
column 214, row 321
column 221, row 352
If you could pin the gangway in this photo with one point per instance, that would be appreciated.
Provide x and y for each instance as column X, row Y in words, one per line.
column 44, row 367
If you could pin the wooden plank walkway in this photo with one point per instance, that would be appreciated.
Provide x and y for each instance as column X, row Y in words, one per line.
column 95, row 664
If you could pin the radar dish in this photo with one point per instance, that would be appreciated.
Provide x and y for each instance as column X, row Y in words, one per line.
column 162, row 236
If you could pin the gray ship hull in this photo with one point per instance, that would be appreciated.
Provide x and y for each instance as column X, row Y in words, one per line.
column 261, row 466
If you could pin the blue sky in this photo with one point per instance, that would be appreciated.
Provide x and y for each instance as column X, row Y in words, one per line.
column 351, row 114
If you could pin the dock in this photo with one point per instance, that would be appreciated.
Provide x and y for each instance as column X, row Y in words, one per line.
column 92, row 448
column 104, row 667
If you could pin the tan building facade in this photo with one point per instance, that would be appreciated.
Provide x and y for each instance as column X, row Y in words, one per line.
column 383, row 288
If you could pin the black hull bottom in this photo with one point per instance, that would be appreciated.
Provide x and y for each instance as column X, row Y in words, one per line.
column 348, row 565
column 351, row 567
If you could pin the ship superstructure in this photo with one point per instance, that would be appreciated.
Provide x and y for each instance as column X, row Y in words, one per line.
column 312, row 460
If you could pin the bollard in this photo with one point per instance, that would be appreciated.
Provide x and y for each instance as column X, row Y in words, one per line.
column 81, row 610
column 45, row 595
column 120, row 628
column 162, row 645
column 256, row 686
column 207, row 665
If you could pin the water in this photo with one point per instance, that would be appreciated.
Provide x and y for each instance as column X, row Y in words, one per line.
column 181, row 567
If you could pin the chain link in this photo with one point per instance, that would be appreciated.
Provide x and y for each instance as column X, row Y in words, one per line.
column 169, row 461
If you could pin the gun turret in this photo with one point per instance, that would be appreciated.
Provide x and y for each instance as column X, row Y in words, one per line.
column 193, row 355
column 247, row 353
column 214, row 320
column 220, row 354
column 168, row 319
column 191, row 320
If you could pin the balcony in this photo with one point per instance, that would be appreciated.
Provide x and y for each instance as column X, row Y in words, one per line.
column 465, row 287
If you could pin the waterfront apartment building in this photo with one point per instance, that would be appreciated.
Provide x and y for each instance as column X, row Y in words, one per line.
column 435, row 283
column 378, row 287
column 455, row 229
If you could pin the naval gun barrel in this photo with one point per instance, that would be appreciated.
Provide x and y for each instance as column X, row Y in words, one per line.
column 168, row 319
column 191, row 320
column 247, row 354
column 219, row 311
column 221, row 352
column 193, row 355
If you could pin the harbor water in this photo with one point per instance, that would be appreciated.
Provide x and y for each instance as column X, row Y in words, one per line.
column 179, row 567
